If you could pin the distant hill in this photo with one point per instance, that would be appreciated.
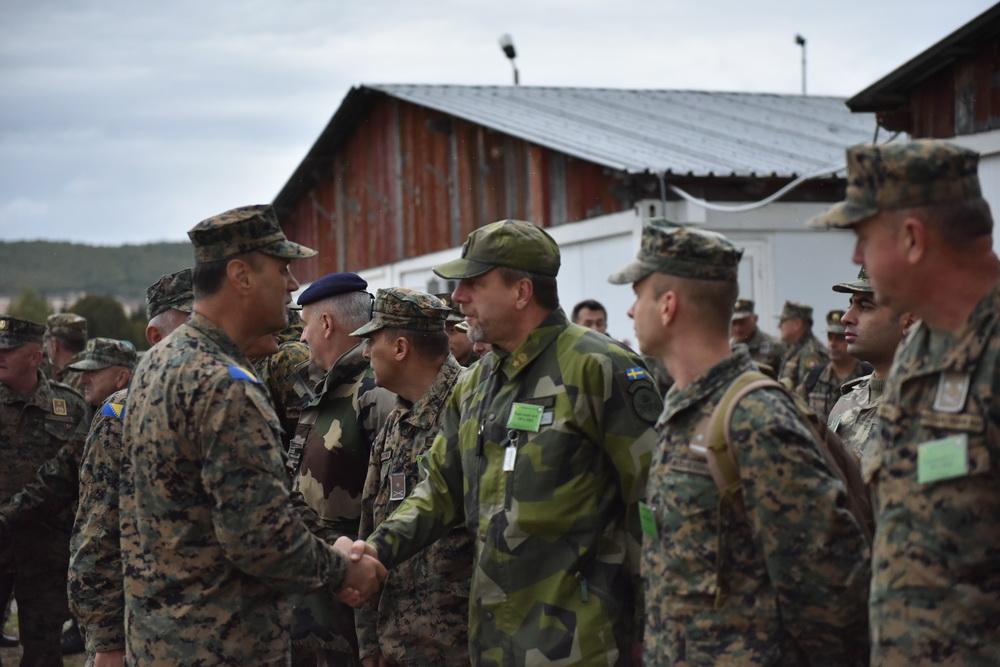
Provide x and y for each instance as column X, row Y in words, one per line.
column 52, row 268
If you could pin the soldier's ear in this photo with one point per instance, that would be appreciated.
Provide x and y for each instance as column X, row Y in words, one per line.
column 525, row 292
column 667, row 307
column 913, row 239
column 239, row 273
column 401, row 348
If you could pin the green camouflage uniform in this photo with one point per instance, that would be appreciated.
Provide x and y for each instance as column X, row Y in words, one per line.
column 933, row 470
column 826, row 390
column 421, row 616
column 854, row 416
column 801, row 358
column 216, row 546
column 766, row 351
column 96, row 595
column 66, row 326
column 328, row 458
column 773, row 575
column 280, row 374
column 32, row 430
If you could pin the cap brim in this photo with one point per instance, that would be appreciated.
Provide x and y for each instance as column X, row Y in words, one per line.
column 7, row 344
column 740, row 315
column 856, row 287
column 835, row 330
column 631, row 273
column 88, row 365
column 842, row 216
column 457, row 269
column 462, row 326
column 287, row 250
column 367, row 329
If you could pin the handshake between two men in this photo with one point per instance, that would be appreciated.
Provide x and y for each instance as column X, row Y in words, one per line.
column 365, row 573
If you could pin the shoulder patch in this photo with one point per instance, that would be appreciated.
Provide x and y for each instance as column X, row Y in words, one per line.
column 647, row 404
column 636, row 373
column 238, row 373
column 59, row 407
column 114, row 410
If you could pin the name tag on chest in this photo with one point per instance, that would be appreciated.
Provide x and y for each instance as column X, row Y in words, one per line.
column 397, row 486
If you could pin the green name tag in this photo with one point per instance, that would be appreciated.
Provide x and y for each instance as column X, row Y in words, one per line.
column 647, row 520
column 525, row 417
column 943, row 459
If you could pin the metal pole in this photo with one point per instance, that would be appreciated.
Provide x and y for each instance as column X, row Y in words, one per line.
column 801, row 41
column 517, row 76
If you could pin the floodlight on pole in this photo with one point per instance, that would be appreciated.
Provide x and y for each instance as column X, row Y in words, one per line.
column 507, row 44
column 801, row 41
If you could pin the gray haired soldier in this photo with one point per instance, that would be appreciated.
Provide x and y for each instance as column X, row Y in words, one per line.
column 96, row 588
column 872, row 332
column 217, row 546
column 38, row 417
column 765, row 351
column 65, row 337
column 542, row 455
column 821, row 387
column 421, row 617
column 105, row 366
column 803, row 351
column 925, row 235
column 772, row 570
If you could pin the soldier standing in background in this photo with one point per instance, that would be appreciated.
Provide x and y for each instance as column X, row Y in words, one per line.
column 542, row 453
column 217, row 546
column 37, row 418
column 458, row 330
column 924, row 233
column 280, row 369
column 765, row 351
column 803, row 350
column 65, row 337
column 105, row 366
column 421, row 616
column 873, row 332
column 96, row 590
column 821, row 386
column 773, row 570
column 330, row 451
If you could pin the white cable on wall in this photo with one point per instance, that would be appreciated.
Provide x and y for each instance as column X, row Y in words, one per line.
column 832, row 169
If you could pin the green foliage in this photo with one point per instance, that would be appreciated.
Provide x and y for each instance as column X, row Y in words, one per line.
column 66, row 268
column 30, row 305
column 105, row 317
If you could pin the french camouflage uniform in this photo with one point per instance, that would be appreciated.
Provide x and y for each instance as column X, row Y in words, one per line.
column 96, row 594
column 542, row 455
column 328, row 458
column 421, row 617
column 775, row 574
column 804, row 355
column 33, row 429
column 934, row 469
column 821, row 389
column 766, row 351
column 854, row 416
column 96, row 590
column 216, row 544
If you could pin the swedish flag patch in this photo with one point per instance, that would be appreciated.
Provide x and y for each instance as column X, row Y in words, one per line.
column 636, row 373
column 116, row 410
column 238, row 373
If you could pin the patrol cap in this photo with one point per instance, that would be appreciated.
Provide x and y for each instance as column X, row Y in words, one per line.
column 794, row 310
column 455, row 315
column 171, row 292
column 515, row 244
column 15, row 332
column 681, row 251
column 902, row 175
column 743, row 308
column 861, row 285
column 404, row 308
column 332, row 284
column 833, row 324
column 241, row 230
column 102, row 353
column 67, row 326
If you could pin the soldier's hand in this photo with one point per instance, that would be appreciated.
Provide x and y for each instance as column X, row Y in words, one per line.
column 363, row 580
column 377, row 660
column 354, row 550
column 109, row 659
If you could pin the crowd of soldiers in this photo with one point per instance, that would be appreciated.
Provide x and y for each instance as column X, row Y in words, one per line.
column 473, row 478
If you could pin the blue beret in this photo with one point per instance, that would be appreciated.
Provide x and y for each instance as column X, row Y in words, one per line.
column 332, row 284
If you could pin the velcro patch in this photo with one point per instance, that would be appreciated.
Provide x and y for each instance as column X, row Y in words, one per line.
column 636, row 373
column 238, row 373
column 115, row 410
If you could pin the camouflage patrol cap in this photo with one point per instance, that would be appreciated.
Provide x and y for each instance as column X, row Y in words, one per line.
column 860, row 286
column 241, row 230
column 103, row 353
column 833, row 325
column 403, row 308
column 15, row 332
column 903, row 175
column 681, row 251
column 515, row 244
column 171, row 292
column 454, row 315
column 743, row 308
column 793, row 310
column 67, row 326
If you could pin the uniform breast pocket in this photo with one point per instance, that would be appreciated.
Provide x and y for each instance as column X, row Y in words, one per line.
column 687, row 500
column 953, row 445
column 58, row 429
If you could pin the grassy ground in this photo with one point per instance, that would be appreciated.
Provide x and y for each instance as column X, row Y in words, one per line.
column 12, row 656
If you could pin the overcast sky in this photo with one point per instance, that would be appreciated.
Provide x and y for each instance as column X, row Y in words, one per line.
column 125, row 122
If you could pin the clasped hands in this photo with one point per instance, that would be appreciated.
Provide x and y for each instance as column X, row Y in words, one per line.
column 365, row 573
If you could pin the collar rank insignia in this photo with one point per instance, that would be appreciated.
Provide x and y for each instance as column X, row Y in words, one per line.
column 243, row 374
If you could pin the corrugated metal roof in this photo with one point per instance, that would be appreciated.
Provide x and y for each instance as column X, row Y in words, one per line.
column 696, row 133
